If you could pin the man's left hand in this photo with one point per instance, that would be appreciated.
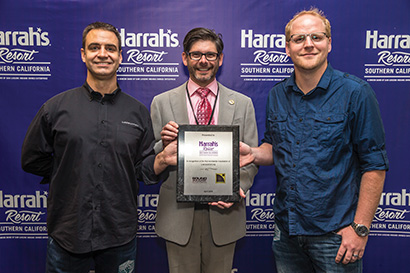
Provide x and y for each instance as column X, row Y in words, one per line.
column 352, row 247
column 224, row 205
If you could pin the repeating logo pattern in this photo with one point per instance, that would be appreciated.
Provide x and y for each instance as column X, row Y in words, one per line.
column 269, row 61
column 23, row 216
column 147, row 56
column 21, row 54
column 391, row 61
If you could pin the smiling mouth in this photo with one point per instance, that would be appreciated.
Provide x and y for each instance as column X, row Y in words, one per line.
column 309, row 54
column 204, row 69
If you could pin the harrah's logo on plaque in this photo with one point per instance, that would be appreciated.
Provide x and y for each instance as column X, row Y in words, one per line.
column 208, row 148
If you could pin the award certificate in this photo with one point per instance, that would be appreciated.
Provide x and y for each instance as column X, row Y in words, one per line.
column 208, row 163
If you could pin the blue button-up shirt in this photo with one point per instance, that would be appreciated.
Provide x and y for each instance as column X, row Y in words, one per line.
column 322, row 144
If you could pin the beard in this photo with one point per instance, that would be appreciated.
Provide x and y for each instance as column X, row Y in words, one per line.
column 203, row 78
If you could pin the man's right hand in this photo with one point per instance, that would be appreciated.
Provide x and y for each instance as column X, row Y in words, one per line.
column 245, row 154
column 261, row 155
column 169, row 133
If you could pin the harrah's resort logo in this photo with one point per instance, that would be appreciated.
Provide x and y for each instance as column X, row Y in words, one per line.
column 146, row 54
column 18, row 51
column 23, row 215
column 269, row 61
column 208, row 148
column 147, row 213
column 144, row 40
column 393, row 57
column 392, row 215
column 21, row 39
column 260, row 215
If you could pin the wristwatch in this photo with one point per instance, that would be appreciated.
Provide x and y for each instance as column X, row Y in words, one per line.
column 361, row 230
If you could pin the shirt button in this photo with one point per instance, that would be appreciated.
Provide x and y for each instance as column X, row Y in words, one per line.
column 294, row 165
column 292, row 209
column 297, row 142
column 99, row 165
column 103, row 121
column 301, row 119
column 102, row 143
column 292, row 188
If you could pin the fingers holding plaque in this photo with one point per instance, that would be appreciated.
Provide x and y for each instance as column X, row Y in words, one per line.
column 208, row 163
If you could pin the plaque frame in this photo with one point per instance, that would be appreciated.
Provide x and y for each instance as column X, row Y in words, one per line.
column 233, row 177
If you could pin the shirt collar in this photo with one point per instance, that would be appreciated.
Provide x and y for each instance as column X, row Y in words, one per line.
column 323, row 83
column 326, row 77
column 193, row 86
column 93, row 95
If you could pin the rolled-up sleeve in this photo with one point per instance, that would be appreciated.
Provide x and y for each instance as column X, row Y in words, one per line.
column 368, row 131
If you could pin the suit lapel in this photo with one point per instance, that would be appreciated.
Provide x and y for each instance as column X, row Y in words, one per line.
column 226, row 106
column 178, row 105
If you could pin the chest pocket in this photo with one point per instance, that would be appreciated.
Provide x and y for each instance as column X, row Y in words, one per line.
column 277, row 127
column 128, row 138
column 328, row 128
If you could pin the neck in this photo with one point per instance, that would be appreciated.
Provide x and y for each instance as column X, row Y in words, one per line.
column 103, row 86
column 307, row 80
column 202, row 83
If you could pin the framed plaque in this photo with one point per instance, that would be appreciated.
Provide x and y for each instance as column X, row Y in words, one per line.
column 208, row 163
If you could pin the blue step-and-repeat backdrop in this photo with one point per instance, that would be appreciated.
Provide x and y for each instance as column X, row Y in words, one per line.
column 40, row 43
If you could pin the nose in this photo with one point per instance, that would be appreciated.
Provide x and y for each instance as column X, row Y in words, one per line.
column 103, row 52
column 203, row 59
column 308, row 41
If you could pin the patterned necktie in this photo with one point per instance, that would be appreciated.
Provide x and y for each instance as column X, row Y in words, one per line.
column 204, row 109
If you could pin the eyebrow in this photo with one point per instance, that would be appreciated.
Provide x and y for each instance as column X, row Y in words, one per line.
column 97, row 44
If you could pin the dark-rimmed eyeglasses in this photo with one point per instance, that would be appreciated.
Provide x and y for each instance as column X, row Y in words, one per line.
column 315, row 37
column 196, row 56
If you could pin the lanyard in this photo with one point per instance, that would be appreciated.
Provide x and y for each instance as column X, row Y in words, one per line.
column 193, row 111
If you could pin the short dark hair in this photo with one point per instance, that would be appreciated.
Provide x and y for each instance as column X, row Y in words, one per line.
column 205, row 34
column 104, row 26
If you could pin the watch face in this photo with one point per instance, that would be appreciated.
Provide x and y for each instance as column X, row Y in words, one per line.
column 362, row 230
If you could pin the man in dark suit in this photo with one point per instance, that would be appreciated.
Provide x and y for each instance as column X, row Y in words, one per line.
column 201, row 238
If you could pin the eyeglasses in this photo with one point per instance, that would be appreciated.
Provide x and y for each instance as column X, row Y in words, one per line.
column 196, row 56
column 316, row 37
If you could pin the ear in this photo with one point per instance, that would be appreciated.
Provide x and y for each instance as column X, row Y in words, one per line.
column 185, row 58
column 329, row 46
column 120, row 56
column 221, row 59
column 287, row 49
column 83, row 55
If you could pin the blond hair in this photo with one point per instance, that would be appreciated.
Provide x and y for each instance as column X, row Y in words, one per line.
column 314, row 12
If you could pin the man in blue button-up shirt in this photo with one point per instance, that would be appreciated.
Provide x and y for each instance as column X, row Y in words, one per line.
column 325, row 136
